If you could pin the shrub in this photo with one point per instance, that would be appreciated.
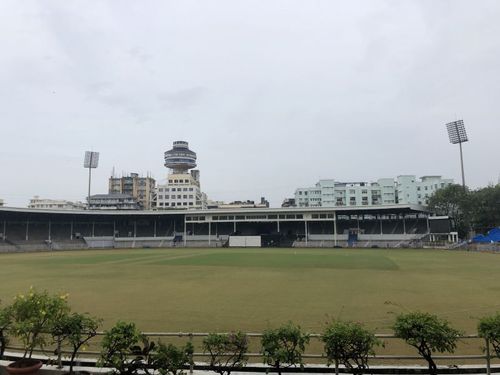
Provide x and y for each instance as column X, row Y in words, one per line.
column 350, row 344
column 428, row 334
column 227, row 352
column 76, row 329
column 489, row 329
column 169, row 359
column 4, row 326
column 121, row 349
column 284, row 346
column 34, row 314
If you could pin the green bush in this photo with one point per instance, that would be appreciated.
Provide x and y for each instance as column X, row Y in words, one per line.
column 350, row 344
column 75, row 329
column 489, row 328
column 169, row 359
column 284, row 346
column 34, row 314
column 5, row 322
column 227, row 352
column 122, row 350
column 428, row 334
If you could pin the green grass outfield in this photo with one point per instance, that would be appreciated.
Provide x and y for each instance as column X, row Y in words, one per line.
column 251, row 289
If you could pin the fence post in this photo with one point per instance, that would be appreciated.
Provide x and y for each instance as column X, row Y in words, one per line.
column 488, row 360
column 336, row 366
column 191, row 365
column 59, row 354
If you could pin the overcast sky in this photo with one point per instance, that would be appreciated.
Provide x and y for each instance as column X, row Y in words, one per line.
column 271, row 95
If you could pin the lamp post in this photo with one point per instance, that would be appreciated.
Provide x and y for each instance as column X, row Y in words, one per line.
column 91, row 161
column 457, row 134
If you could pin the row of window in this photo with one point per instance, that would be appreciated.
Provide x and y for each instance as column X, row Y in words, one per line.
column 181, row 181
column 179, row 196
column 161, row 190
column 246, row 217
column 174, row 204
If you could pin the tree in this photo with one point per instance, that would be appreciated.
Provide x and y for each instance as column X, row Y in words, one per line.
column 76, row 329
column 121, row 342
column 489, row 329
column 227, row 352
column 284, row 346
column 456, row 202
column 486, row 208
column 169, row 359
column 34, row 314
column 350, row 344
column 428, row 334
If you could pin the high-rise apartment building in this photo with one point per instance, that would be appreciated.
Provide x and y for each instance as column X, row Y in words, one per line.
column 141, row 188
column 405, row 189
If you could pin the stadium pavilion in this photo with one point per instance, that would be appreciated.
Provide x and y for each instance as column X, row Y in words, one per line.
column 384, row 226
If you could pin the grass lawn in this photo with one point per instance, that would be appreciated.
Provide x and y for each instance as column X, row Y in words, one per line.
column 206, row 290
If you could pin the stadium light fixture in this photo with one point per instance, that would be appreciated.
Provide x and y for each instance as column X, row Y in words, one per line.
column 457, row 134
column 91, row 161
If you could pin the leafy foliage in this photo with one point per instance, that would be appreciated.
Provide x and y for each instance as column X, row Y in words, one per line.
column 169, row 359
column 456, row 202
column 122, row 350
column 471, row 209
column 227, row 352
column 76, row 329
column 34, row 314
column 5, row 322
column 284, row 346
column 428, row 334
column 489, row 328
column 350, row 344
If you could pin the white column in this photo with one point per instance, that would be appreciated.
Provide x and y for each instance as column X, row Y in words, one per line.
column 27, row 229
column 404, row 224
column 135, row 228
column 185, row 230
column 4, row 230
column 335, row 228
column 209, row 233
column 305, row 226
column 71, row 230
column 50, row 227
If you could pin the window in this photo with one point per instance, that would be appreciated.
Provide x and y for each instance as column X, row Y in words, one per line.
column 191, row 196
column 167, row 196
column 166, row 204
column 170, row 181
column 190, row 203
column 185, row 189
column 179, row 196
column 190, row 189
column 173, row 189
column 160, row 190
column 184, row 203
column 184, row 196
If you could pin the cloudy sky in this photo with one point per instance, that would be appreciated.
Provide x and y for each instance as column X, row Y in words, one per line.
column 272, row 95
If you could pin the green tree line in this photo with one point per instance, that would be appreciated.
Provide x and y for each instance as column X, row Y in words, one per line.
column 473, row 210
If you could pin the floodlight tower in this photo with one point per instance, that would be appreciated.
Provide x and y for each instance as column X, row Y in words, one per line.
column 91, row 161
column 457, row 134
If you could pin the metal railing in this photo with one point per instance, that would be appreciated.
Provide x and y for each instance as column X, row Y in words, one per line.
column 318, row 359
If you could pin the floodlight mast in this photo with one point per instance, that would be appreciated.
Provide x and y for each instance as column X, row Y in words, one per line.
column 91, row 161
column 457, row 134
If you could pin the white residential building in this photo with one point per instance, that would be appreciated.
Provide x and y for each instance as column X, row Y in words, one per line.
column 54, row 204
column 385, row 191
column 409, row 190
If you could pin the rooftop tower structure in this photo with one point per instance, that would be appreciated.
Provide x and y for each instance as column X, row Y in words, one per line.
column 182, row 189
column 180, row 158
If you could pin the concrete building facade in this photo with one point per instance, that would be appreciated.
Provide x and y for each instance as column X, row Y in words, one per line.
column 113, row 201
column 141, row 188
column 54, row 204
column 182, row 189
column 406, row 189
